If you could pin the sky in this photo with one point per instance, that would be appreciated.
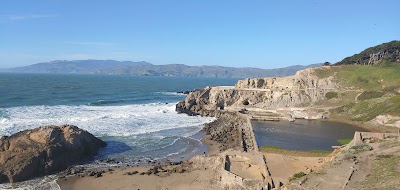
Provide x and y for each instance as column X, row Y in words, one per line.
column 256, row 33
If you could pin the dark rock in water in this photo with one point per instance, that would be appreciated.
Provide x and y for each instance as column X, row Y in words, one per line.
column 44, row 150
column 183, row 92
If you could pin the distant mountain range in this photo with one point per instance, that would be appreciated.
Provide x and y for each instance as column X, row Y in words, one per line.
column 148, row 69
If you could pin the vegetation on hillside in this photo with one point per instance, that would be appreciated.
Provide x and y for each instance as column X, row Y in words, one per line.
column 384, row 54
column 371, row 78
column 367, row 110
column 330, row 95
column 377, row 86
column 309, row 153
column 369, row 95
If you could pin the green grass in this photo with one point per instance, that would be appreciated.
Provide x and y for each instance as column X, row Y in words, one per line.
column 370, row 95
column 344, row 141
column 297, row 176
column 368, row 109
column 310, row 153
column 363, row 76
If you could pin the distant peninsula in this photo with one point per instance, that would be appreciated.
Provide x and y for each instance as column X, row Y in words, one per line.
column 147, row 69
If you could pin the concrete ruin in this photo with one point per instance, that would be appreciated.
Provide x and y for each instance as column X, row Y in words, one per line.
column 246, row 168
column 360, row 137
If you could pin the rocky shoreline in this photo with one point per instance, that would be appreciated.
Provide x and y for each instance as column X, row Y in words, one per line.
column 51, row 143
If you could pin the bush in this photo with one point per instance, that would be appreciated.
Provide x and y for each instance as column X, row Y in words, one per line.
column 331, row 95
column 297, row 176
column 369, row 95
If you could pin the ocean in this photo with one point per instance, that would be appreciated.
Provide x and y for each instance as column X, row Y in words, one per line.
column 135, row 115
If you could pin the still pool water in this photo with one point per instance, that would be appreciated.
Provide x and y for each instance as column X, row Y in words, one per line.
column 302, row 134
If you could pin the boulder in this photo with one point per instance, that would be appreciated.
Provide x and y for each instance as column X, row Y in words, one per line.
column 44, row 150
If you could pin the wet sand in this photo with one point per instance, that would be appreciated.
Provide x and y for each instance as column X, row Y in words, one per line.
column 118, row 179
column 198, row 179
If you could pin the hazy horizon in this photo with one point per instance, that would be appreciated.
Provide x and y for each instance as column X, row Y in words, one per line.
column 163, row 64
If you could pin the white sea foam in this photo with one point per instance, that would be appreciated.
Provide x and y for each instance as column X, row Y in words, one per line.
column 41, row 183
column 124, row 120
column 171, row 93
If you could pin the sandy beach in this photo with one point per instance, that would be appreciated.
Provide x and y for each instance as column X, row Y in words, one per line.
column 182, row 176
column 118, row 179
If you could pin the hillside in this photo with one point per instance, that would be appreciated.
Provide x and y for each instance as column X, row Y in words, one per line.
column 77, row 66
column 364, row 93
column 147, row 69
column 384, row 54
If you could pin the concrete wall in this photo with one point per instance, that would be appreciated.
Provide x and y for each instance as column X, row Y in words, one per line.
column 229, row 178
column 253, row 137
column 359, row 137
column 255, row 158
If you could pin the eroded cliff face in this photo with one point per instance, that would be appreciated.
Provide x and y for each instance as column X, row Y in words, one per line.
column 303, row 88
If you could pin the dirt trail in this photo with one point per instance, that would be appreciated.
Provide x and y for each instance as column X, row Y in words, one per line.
column 368, row 169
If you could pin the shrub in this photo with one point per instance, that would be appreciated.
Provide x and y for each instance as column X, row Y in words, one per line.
column 297, row 176
column 369, row 95
column 330, row 95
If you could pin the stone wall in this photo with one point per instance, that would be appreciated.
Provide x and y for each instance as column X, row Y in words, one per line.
column 360, row 137
column 256, row 160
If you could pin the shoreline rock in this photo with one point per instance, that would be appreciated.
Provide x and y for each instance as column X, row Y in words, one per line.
column 44, row 150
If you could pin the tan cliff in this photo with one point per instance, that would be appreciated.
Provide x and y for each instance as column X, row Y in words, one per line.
column 303, row 88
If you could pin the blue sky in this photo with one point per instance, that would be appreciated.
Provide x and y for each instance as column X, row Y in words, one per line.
column 265, row 34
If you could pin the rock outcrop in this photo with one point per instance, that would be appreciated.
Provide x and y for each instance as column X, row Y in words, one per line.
column 303, row 88
column 44, row 150
column 231, row 131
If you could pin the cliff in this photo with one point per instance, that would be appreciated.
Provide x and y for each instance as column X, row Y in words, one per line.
column 305, row 87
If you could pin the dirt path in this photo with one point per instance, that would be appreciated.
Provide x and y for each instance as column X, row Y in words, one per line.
column 356, row 98
column 374, row 169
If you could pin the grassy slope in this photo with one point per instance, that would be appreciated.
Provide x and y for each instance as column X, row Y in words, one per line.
column 374, row 79
column 311, row 153
column 363, row 76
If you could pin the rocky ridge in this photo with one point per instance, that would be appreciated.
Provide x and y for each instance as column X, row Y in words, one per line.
column 44, row 150
column 383, row 54
column 305, row 87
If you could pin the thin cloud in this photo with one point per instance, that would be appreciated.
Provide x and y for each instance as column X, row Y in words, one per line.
column 28, row 17
column 84, row 43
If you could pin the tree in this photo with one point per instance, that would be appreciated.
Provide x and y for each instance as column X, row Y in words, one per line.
column 327, row 64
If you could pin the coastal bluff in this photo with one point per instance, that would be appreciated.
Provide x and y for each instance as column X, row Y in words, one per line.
column 44, row 150
column 305, row 87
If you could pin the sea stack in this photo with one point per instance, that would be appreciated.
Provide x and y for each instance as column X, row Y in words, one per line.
column 44, row 150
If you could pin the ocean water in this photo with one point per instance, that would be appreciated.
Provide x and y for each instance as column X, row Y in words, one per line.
column 134, row 115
